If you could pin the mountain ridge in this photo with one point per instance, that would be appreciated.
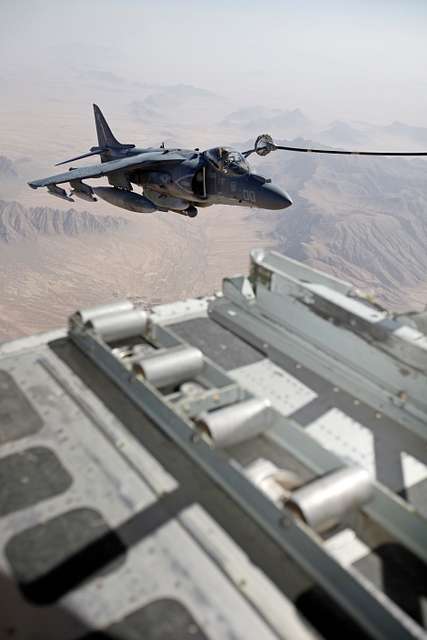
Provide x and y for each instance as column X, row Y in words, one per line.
column 18, row 222
column 364, row 219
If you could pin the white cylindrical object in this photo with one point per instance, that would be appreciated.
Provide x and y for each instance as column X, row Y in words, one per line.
column 322, row 503
column 171, row 366
column 119, row 326
column 114, row 307
column 238, row 422
column 274, row 482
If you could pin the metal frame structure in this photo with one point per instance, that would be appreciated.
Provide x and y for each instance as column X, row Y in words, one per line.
column 378, row 616
column 233, row 437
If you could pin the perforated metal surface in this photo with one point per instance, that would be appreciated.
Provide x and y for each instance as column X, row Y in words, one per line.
column 356, row 443
column 267, row 380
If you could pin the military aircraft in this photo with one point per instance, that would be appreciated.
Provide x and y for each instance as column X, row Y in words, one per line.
column 178, row 180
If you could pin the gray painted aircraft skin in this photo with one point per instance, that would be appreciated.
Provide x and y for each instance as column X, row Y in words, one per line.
column 178, row 180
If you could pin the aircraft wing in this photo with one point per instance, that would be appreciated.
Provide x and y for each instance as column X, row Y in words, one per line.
column 146, row 160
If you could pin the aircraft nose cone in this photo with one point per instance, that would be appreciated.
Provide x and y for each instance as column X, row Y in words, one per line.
column 272, row 197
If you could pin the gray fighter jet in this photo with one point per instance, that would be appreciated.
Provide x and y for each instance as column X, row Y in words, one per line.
column 178, row 180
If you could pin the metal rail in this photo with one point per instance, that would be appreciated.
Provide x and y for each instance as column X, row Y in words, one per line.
column 373, row 611
column 387, row 509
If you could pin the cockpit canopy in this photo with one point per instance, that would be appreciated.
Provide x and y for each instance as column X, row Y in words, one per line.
column 227, row 160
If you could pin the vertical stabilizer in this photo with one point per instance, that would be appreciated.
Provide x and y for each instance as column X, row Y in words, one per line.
column 104, row 133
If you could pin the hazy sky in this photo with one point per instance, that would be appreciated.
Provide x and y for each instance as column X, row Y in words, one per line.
column 359, row 59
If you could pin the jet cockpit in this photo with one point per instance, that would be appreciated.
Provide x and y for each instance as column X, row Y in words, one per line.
column 227, row 160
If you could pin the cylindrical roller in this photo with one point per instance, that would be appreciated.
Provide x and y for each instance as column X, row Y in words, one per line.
column 274, row 482
column 101, row 310
column 120, row 325
column 238, row 422
column 322, row 503
column 171, row 366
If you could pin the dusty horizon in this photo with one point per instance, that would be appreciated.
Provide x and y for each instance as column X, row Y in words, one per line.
column 358, row 61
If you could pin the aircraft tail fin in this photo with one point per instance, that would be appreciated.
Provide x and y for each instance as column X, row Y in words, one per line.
column 106, row 139
column 103, row 131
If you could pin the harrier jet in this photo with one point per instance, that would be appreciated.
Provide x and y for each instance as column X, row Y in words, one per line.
column 178, row 180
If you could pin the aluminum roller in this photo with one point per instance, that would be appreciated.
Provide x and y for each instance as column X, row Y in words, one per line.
column 238, row 422
column 86, row 315
column 274, row 482
column 171, row 366
column 323, row 503
column 120, row 325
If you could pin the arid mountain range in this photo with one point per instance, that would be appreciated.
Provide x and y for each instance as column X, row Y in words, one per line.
column 18, row 223
column 362, row 219
column 53, row 262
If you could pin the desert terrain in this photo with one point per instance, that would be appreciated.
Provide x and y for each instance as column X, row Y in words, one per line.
column 62, row 263
column 361, row 219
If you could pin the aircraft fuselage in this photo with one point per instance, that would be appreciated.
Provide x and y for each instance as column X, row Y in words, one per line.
column 179, row 182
